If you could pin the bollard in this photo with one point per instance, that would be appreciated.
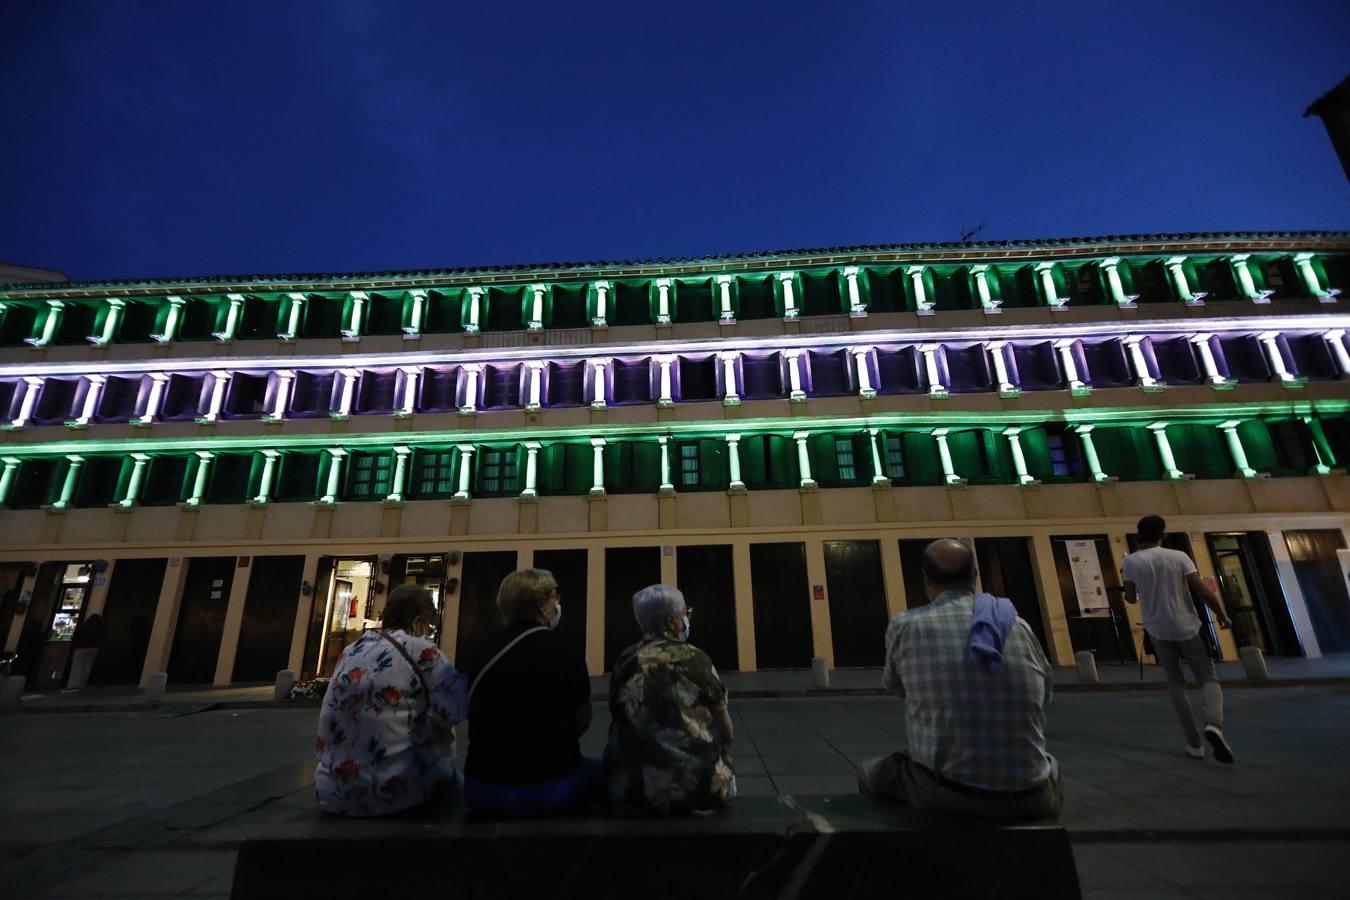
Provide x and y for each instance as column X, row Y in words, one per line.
column 1087, row 667
column 11, row 690
column 820, row 672
column 285, row 681
column 154, row 688
column 1253, row 662
column 81, row 664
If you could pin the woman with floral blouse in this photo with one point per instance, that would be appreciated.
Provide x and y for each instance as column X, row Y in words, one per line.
column 386, row 737
column 670, row 731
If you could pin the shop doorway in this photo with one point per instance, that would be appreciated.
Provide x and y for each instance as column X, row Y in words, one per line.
column 627, row 571
column 427, row 570
column 569, row 570
column 706, row 577
column 1251, row 592
column 201, row 620
column 1006, row 571
column 1324, row 585
column 269, row 617
column 857, row 592
column 1180, row 540
column 342, row 610
column 129, row 614
column 781, row 593
column 1097, row 621
column 60, row 596
column 479, row 617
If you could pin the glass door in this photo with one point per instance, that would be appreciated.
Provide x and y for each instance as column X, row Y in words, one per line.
column 347, row 613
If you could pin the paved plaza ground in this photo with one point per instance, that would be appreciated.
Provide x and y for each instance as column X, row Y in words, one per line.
column 154, row 803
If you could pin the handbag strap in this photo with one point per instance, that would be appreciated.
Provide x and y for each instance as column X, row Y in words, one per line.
column 500, row 653
column 426, row 689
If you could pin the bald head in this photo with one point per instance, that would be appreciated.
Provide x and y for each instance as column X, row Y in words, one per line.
column 948, row 565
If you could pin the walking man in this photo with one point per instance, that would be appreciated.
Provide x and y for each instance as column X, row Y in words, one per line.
column 1162, row 581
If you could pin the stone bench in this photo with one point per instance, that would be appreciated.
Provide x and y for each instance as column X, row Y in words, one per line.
column 828, row 847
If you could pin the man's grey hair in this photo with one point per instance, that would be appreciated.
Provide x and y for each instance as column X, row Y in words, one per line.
column 654, row 604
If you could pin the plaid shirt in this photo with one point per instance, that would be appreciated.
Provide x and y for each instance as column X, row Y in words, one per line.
column 983, row 729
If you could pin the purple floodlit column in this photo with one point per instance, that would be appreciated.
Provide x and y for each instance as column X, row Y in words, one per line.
column 1136, row 351
column 860, row 360
column 598, row 383
column 1336, row 341
column 32, row 387
column 1270, row 341
column 408, row 404
column 93, row 392
column 667, row 397
column 998, row 352
column 344, row 408
column 1046, row 272
column 1077, row 387
column 534, row 373
column 153, row 400
column 794, row 367
column 281, row 400
column 470, row 404
column 1208, row 363
column 936, row 388
column 731, row 395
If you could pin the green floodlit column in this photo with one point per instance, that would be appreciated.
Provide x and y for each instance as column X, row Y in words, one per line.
column 265, row 482
column 663, row 301
column 787, row 280
column 1239, row 453
column 731, row 395
column 1303, row 262
column 945, row 454
column 1208, row 363
column 531, row 469
column 401, row 455
column 803, row 459
column 408, row 405
column 597, row 466
column 1177, row 272
column 879, row 475
column 724, row 295
column 997, row 352
column 1246, row 284
column 32, row 387
column 855, row 304
column 232, row 314
column 601, row 317
column 935, row 386
column 171, row 320
column 475, row 295
column 353, row 330
column 93, row 392
column 138, row 463
column 204, row 458
column 667, row 397
column 344, row 409
column 598, row 383
column 536, row 307
column 1046, row 273
column 534, row 373
column 1169, row 461
column 987, row 301
column 922, row 305
column 1336, row 342
column 465, row 461
column 283, row 396
column 1019, row 458
column 734, row 461
column 1326, row 458
column 1111, row 266
column 330, row 494
column 1146, row 381
column 50, row 322
column 1090, row 452
column 115, row 307
column 865, row 389
column 419, row 301
column 295, row 306
column 7, row 476
column 68, row 485
column 794, row 357
column 1270, row 341
column 666, row 486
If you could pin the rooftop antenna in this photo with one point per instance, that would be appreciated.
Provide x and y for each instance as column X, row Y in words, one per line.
column 968, row 233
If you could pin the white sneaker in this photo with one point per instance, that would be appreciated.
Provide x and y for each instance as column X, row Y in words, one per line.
column 1196, row 752
column 1222, row 752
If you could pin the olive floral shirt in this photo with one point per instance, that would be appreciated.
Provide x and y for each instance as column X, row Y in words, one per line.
column 663, row 755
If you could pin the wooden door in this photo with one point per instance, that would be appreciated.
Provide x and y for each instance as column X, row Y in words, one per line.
column 128, row 614
column 857, row 594
column 569, row 570
column 627, row 571
column 706, row 577
column 781, row 594
column 480, row 578
column 201, row 620
column 269, row 617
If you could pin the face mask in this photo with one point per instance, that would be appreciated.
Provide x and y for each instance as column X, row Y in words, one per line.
column 684, row 635
column 556, row 617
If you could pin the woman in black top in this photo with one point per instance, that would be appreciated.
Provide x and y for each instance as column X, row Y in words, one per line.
column 529, row 703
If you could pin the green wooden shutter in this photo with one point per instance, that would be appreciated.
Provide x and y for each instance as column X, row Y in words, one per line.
column 753, row 470
column 714, row 465
column 824, row 464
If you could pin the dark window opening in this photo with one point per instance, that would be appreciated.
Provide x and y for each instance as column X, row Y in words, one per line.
column 322, row 317
column 197, row 319
column 1312, row 357
column 566, row 469
column 501, row 386
column 384, row 314
column 246, row 396
column 886, row 290
column 8, row 407
column 694, row 301
column 259, row 317
column 763, row 376
column 820, row 294
column 230, row 476
column 968, row 369
column 1293, row 445
column 830, row 375
column 435, row 473
column 444, row 312
column 497, row 472
column 768, row 461
column 895, row 457
column 137, row 321
column 1280, row 278
column 370, row 476
column 632, row 467
column 99, row 477
column 1084, row 285
column 296, row 477
column 899, row 371
column 165, row 478
column 1244, row 358
column 698, row 378
column 566, row 384
column 17, row 324
column 1176, row 361
column 77, row 323
column 632, row 304
column 1217, row 279
column 505, row 311
column 56, row 402
column 1106, row 364
column 632, row 381
column 182, row 397
column 377, row 392
column 32, row 485
column 440, row 388
column 120, row 395
column 312, row 393
column 569, row 307
column 755, row 298
column 1037, row 366
column 1151, row 282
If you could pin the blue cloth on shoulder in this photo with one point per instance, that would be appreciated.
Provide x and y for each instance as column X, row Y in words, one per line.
column 989, row 627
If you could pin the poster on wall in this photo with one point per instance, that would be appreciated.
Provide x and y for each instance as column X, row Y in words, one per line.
column 1087, row 579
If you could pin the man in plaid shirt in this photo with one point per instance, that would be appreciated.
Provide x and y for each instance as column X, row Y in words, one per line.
column 976, row 724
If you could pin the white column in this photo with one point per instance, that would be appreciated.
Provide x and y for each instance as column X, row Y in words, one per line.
column 1111, row 266
column 803, row 458
column 724, row 294
column 470, row 404
column 935, row 386
column 32, row 387
column 401, row 455
column 232, row 314
column 344, row 409
column 110, row 323
column 787, row 280
column 419, row 304
column 1014, row 436
column 1046, row 272
column 599, row 393
column 536, row 321
column 12, row 464
column 296, row 304
column 731, row 395
column 204, row 458
column 879, row 473
column 171, row 320
column 667, row 396
column 475, row 295
column 1303, row 262
column 1169, row 461
column 922, row 305
column 1269, row 340
column 1177, row 272
column 734, row 461
column 353, row 330
column 1235, row 447
column 138, row 463
column 1077, row 387
column 531, row 469
column 1246, row 284
column 1146, row 381
column 265, row 482
column 1336, row 341
column 50, row 323
column 534, row 374
column 1208, row 363
column 282, row 398
column 865, row 388
column 666, row 486
column 794, row 366
column 945, row 453
column 68, row 485
column 998, row 353
column 855, row 304
column 597, row 466
column 407, row 405
column 601, row 317
column 1094, row 463
column 330, row 494
column 465, row 460
column 987, row 301
column 91, row 397
column 663, row 301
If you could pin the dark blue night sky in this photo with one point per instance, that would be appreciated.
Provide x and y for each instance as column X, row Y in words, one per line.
column 184, row 138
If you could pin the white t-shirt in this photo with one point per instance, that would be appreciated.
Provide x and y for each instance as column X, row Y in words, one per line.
column 1160, row 576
